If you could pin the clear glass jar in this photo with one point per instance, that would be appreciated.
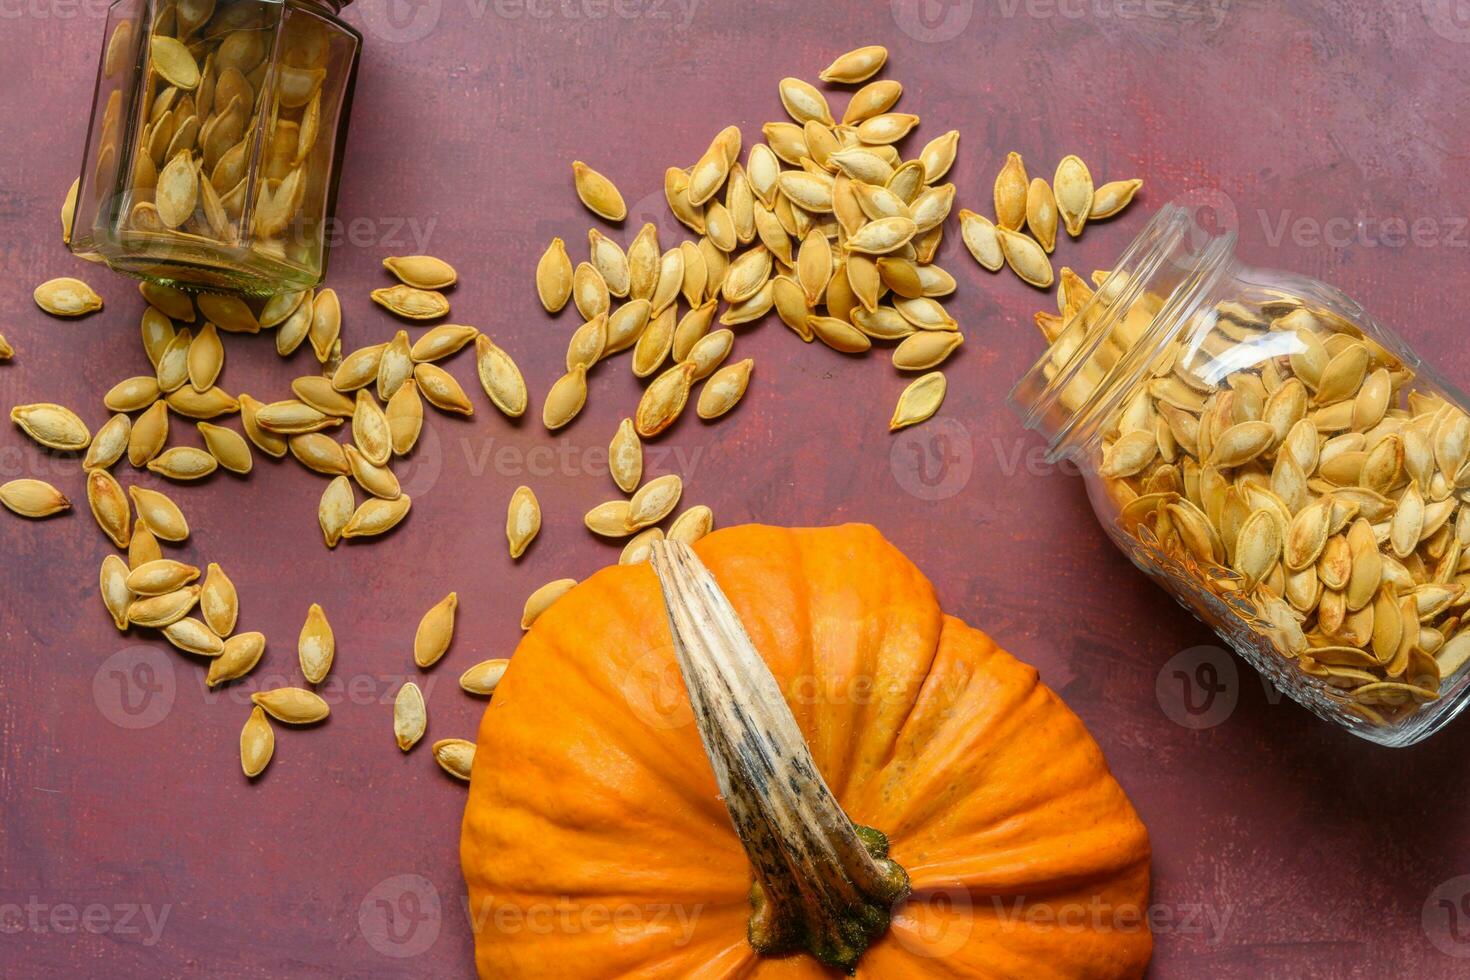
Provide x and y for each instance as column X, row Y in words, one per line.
column 1280, row 463
column 215, row 142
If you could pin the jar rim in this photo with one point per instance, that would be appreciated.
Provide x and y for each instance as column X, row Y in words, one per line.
column 1163, row 245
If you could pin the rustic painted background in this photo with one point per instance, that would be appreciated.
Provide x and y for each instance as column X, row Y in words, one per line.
column 1330, row 136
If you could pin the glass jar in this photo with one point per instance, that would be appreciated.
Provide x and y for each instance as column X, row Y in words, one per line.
column 1278, row 461
column 216, row 141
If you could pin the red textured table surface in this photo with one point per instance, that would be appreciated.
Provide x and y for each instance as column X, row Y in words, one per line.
column 1331, row 136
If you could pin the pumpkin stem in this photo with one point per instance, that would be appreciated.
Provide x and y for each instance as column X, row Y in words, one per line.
column 822, row 884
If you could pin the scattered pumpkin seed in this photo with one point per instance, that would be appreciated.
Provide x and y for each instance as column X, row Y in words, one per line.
column 33, row 498
column 543, row 598
column 522, row 520
column 257, row 743
column 421, row 271
column 455, row 756
column 292, row 705
column 919, row 401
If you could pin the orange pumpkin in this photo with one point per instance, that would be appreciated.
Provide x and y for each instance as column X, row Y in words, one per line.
column 596, row 842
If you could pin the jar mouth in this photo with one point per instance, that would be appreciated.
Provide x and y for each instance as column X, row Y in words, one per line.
column 1071, row 388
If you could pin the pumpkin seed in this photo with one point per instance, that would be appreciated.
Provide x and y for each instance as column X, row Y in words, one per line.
column 981, row 237
column 53, row 426
column 292, row 705
column 115, row 594
column 709, row 352
column 320, row 453
column 294, row 330
column 522, row 520
column 318, row 392
column 938, row 155
column 177, row 193
column 925, row 349
column 421, row 271
column 1072, row 185
column 1258, row 547
column 609, row 261
column 919, row 401
column 692, row 525
column 653, row 502
column 610, row 519
column 870, row 100
column 360, row 368
column 435, row 632
column 192, row 636
column 887, row 127
column 883, row 235
column 807, row 191
column 202, row 405
column 109, row 443
column 654, row 344
column 410, row 303
column 109, row 506
column 172, row 303
column 173, row 61
column 376, row 480
column 1010, row 193
column 589, row 291
column 643, row 261
column 565, row 399
column 598, row 193
column 183, row 463
column 257, row 743
column 410, row 716
column 336, row 509
column 1026, row 258
column 157, row 612
column 1041, row 213
column 132, row 394
column 238, row 657
column 483, row 677
column 804, row 102
column 370, row 429
column 663, row 400
column 280, row 306
column 857, row 65
column 162, row 515
column 640, row 546
column 554, row 276
column 724, row 389
column 543, row 598
column 161, row 577
column 588, row 343
column 500, row 378
column 625, row 457
column 455, row 756
column 229, row 313
column 1113, row 197
column 838, row 334
column 377, row 516
column 751, row 309
column 441, row 390
column 33, row 498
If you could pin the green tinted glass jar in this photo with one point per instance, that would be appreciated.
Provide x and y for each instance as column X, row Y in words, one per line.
column 216, row 142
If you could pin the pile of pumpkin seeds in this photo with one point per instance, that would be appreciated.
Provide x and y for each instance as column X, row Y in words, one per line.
column 1034, row 205
column 825, row 223
column 1316, row 497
